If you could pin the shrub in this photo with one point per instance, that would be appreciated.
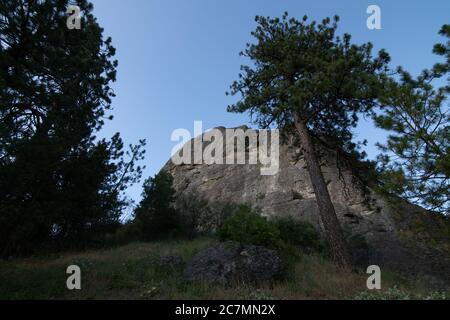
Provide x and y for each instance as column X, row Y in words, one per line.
column 284, row 234
column 126, row 233
column 248, row 227
column 196, row 216
column 299, row 234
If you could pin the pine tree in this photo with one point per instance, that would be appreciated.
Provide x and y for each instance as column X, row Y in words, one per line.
column 155, row 216
column 305, row 77
column 58, row 182
column 415, row 163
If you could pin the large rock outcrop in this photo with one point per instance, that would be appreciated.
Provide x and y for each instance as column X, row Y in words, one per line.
column 395, row 235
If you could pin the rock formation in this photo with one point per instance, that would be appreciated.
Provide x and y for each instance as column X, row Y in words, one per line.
column 392, row 234
column 228, row 263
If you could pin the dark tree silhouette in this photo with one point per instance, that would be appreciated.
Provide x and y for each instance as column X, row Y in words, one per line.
column 57, row 181
column 155, row 216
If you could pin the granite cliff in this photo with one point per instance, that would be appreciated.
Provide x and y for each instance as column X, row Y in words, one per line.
column 390, row 233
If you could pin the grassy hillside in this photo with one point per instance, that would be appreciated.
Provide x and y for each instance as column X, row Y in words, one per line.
column 130, row 272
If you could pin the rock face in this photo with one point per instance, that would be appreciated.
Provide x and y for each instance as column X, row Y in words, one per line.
column 228, row 262
column 394, row 235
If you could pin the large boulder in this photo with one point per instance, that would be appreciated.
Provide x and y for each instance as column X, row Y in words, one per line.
column 390, row 233
column 228, row 263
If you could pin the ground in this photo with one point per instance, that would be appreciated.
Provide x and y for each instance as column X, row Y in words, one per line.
column 130, row 272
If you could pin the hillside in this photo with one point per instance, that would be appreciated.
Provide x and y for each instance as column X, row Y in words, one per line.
column 132, row 272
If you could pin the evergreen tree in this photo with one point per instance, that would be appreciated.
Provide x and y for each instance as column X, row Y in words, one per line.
column 306, row 78
column 415, row 163
column 57, row 181
column 155, row 216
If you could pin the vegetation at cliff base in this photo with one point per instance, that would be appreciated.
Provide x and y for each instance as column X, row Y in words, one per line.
column 132, row 272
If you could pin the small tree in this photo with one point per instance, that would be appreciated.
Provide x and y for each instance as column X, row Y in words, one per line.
column 196, row 216
column 155, row 215
column 415, row 163
column 306, row 79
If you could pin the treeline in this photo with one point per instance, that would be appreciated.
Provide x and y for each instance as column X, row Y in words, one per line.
column 61, row 187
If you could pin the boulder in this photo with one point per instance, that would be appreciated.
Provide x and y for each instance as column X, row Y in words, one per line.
column 228, row 263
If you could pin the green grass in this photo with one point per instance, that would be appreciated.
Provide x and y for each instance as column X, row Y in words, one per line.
column 130, row 272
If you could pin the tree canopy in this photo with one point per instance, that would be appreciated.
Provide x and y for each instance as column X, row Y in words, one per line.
column 306, row 68
column 57, row 180
column 415, row 163
column 155, row 216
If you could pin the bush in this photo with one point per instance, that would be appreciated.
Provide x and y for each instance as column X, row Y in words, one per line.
column 284, row 234
column 299, row 234
column 248, row 227
column 196, row 217
column 126, row 233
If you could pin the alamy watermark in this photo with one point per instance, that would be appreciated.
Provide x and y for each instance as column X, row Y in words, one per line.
column 74, row 19
column 374, row 20
column 227, row 147
column 374, row 280
column 74, row 280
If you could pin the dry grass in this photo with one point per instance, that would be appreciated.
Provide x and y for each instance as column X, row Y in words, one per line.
column 129, row 272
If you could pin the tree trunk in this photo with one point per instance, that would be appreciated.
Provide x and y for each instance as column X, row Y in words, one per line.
column 338, row 247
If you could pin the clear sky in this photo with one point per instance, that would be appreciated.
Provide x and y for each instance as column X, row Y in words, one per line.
column 178, row 57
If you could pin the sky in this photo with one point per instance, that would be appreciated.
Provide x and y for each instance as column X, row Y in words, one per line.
column 177, row 58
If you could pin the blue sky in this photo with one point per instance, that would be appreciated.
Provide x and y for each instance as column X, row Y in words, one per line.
column 178, row 57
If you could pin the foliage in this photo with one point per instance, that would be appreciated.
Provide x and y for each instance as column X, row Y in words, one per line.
column 304, row 68
column 59, row 184
column 299, row 234
column 308, row 81
column 286, row 235
column 127, row 232
column 415, row 162
column 155, row 216
column 196, row 216
column 248, row 227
